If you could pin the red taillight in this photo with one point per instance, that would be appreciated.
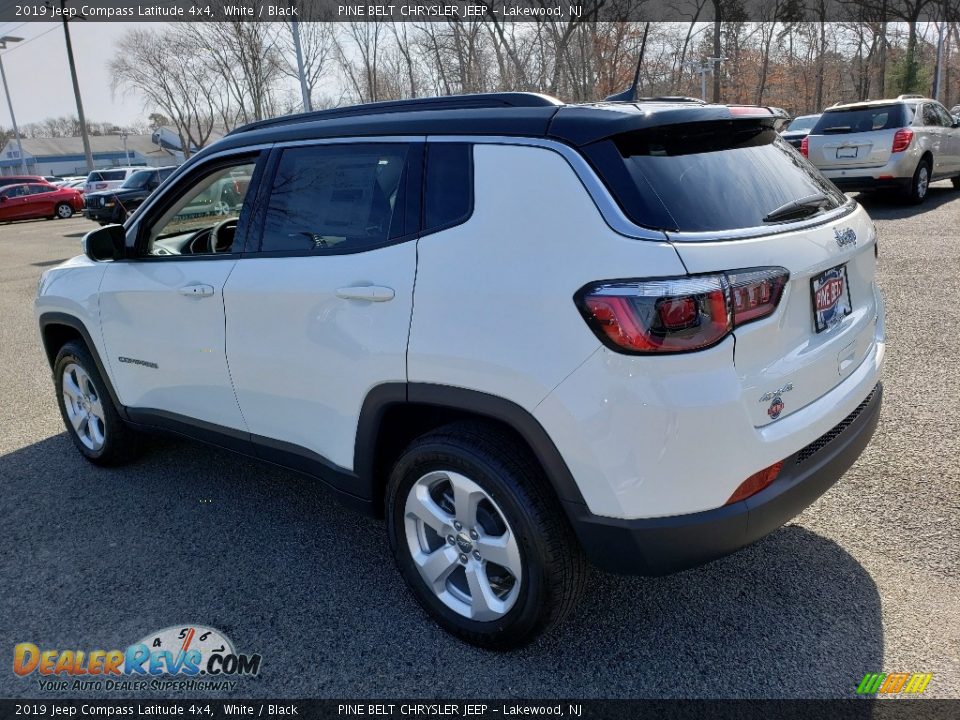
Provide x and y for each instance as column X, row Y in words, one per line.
column 805, row 147
column 902, row 139
column 755, row 483
column 684, row 314
column 755, row 293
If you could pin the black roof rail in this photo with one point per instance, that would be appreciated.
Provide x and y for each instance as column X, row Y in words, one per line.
column 447, row 102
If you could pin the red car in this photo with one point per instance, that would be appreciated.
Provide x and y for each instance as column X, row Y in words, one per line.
column 38, row 200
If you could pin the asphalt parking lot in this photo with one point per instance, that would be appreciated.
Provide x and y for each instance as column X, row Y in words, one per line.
column 866, row 580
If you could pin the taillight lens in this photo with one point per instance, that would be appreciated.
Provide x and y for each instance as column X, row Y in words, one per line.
column 675, row 315
column 902, row 139
column 805, row 147
column 755, row 483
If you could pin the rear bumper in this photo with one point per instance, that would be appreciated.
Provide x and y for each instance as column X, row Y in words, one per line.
column 660, row 546
column 866, row 183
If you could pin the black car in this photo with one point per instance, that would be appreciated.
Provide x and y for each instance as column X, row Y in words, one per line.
column 115, row 206
column 799, row 128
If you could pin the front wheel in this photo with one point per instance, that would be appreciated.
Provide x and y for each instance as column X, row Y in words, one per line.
column 920, row 183
column 63, row 211
column 480, row 538
column 88, row 413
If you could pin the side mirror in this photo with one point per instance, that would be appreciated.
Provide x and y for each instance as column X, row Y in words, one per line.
column 107, row 243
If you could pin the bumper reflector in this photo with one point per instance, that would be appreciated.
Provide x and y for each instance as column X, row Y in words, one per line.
column 755, row 483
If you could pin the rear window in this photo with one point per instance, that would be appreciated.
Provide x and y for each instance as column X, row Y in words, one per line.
column 701, row 177
column 111, row 175
column 803, row 123
column 863, row 119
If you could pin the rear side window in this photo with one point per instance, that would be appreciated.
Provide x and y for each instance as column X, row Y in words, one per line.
column 448, row 199
column 864, row 119
column 336, row 198
column 94, row 177
column 700, row 177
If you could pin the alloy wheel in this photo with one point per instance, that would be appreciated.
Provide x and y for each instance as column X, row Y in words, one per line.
column 84, row 407
column 462, row 545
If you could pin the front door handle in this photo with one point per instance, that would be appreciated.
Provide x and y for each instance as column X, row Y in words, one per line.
column 371, row 293
column 197, row 290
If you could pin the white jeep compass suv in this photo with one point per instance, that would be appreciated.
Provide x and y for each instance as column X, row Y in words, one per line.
column 528, row 334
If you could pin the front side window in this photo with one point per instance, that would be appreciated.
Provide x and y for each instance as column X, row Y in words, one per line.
column 204, row 219
column 335, row 198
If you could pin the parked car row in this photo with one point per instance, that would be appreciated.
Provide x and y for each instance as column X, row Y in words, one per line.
column 902, row 144
column 116, row 204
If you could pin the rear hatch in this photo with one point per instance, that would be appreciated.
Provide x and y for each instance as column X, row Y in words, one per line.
column 734, row 196
column 859, row 136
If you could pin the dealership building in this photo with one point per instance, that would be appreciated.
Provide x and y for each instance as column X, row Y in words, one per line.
column 65, row 156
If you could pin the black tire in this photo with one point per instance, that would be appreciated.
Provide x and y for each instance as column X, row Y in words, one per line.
column 120, row 442
column 553, row 566
column 63, row 211
column 956, row 182
column 917, row 191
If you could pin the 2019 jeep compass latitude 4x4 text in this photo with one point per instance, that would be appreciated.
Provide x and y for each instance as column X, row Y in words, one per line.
column 529, row 334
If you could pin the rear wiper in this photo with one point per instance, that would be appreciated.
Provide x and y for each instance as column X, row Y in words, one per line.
column 802, row 207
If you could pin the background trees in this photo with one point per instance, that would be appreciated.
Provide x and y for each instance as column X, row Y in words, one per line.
column 220, row 75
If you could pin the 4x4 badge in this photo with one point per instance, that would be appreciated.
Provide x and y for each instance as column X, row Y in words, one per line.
column 845, row 237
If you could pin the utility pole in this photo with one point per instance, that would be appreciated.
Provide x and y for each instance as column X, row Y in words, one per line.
column 703, row 68
column 938, row 73
column 295, row 30
column 16, row 132
column 76, row 88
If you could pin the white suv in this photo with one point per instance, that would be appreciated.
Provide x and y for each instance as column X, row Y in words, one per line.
column 529, row 334
column 108, row 178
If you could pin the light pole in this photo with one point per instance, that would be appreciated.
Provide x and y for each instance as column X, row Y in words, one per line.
column 703, row 68
column 76, row 84
column 16, row 132
column 126, row 154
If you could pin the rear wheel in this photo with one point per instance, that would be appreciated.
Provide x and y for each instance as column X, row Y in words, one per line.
column 920, row 184
column 89, row 415
column 63, row 211
column 480, row 538
column 956, row 182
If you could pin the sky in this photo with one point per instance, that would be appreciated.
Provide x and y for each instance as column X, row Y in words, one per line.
column 39, row 77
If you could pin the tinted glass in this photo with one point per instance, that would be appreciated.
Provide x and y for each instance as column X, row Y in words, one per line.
column 139, row 179
column 37, row 189
column 449, row 185
column 945, row 119
column 112, row 175
column 803, row 123
column 699, row 177
column 336, row 197
column 94, row 177
column 865, row 119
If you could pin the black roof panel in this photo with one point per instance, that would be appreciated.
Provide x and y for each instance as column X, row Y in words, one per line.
column 508, row 114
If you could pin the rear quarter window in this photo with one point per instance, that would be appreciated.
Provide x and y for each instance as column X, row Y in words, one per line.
column 712, row 176
column 448, row 199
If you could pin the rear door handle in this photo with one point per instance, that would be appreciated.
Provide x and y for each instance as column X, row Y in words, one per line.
column 197, row 290
column 371, row 293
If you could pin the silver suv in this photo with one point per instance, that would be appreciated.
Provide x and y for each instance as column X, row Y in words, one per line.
column 901, row 144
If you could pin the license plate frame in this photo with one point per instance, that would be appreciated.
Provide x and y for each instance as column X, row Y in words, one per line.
column 825, row 315
column 847, row 152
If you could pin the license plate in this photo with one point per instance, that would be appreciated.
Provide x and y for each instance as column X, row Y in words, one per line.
column 831, row 297
column 846, row 152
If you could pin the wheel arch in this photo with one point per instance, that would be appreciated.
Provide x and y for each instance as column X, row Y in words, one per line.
column 57, row 329
column 394, row 414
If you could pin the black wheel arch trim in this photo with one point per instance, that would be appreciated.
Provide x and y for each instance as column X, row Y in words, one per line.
column 382, row 397
column 59, row 318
